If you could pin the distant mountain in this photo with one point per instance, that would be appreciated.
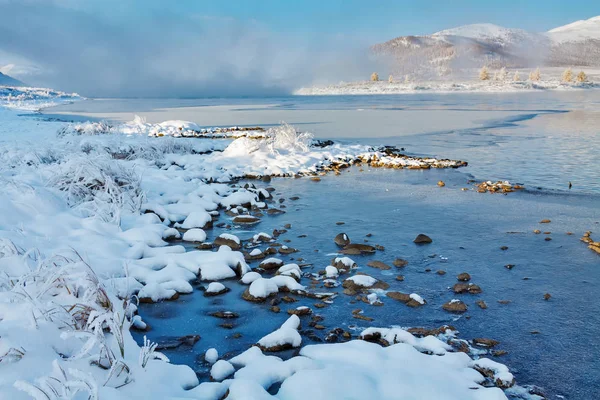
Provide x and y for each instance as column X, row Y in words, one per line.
column 452, row 50
column 578, row 31
column 6, row 80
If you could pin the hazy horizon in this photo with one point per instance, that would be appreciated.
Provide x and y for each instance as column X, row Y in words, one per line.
column 189, row 49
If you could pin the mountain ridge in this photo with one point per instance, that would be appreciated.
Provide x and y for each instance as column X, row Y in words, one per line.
column 6, row 80
column 468, row 46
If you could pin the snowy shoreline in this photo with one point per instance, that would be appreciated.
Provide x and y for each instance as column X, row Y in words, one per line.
column 438, row 87
column 87, row 216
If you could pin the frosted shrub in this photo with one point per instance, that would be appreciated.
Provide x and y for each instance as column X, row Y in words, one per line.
column 567, row 75
column 85, row 128
column 501, row 75
column 99, row 187
column 581, row 77
column 484, row 74
column 374, row 77
column 390, row 79
column 517, row 77
column 535, row 75
column 285, row 137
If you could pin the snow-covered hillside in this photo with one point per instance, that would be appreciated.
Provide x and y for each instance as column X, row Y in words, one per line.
column 490, row 32
column 9, row 81
column 577, row 31
column 449, row 51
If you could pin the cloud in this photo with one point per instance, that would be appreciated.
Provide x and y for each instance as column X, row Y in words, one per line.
column 128, row 50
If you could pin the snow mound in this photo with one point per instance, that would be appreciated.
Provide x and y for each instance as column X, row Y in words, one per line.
column 287, row 336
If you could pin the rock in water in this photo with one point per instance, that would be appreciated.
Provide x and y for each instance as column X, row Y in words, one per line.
column 455, row 306
column 398, row 262
column 379, row 265
column 464, row 277
column 357, row 249
column 422, row 239
column 342, row 240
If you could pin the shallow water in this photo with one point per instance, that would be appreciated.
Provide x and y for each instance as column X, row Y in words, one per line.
column 468, row 229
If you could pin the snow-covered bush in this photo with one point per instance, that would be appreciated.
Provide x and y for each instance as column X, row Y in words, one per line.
column 86, row 128
column 391, row 79
column 484, row 74
column 581, row 77
column 99, row 187
column 567, row 75
column 517, row 77
column 501, row 75
column 535, row 75
column 374, row 77
column 285, row 137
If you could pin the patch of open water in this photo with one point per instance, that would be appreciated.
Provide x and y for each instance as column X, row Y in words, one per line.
column 467, row 229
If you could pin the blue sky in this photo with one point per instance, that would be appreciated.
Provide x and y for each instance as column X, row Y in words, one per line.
column 190, row 48
column 381, row 20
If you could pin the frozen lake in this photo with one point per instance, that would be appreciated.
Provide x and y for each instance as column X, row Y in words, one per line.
column 543, row 140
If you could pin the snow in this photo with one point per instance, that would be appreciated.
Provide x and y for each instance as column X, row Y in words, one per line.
column 346, row 261
column 290, row 270
column 33, row 99
column 363, row 280
column 239, row 198
column 250, row 277
column 417, row 298
column 211, row 355
column 255, row 252
column 196, row 219
column 500, row 371
column 287, row 334
column 331, row 272
column 262, row 288
column 429, row 344
column 483, row 31
column 215, row 287
column 449, row 85
column 231, row 237
column 577, row 31
column 221, row 370
column 373, row 298
column 194, row 235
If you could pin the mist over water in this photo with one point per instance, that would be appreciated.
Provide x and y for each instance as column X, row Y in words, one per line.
column 166, row 54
